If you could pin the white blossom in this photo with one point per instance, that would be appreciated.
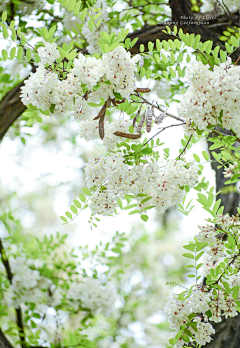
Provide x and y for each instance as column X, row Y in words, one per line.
column 48, row 53
column 92, row 295
column 209, row 93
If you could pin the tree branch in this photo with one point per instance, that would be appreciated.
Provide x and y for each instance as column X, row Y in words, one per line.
column 18, row 309
column 11, row 108
column 4, row 343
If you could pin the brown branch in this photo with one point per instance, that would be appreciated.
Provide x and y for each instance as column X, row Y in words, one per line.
column 11, row 107
column 4, row 342
column 185, row 147
column 18, row 309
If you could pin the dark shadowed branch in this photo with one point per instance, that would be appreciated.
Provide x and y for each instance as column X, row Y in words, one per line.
column 18, row 309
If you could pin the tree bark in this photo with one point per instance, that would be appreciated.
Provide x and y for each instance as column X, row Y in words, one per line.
column 11, row 108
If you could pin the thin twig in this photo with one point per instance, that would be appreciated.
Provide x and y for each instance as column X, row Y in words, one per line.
column 18, row 309
column 185, row 146
column 160, row 109
column 172, row 125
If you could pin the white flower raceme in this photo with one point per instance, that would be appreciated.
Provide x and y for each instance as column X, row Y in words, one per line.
column 162, row 185
column 207, row 234
column 209, row 93
column 177, row 311
column 120, row 68
column 216, row 247
column 90, row 294
column 204, row 332
column 228, row 172
column 39, row 87
column 227, row 222
column 223, row 305
column 48, row 53
column 199, row 301
column 27, row 284
column 114, row 73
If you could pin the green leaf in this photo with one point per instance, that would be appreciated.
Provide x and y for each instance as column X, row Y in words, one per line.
column 68, row 214
column 82, row 197
column 119, row 202
column 199, row 255
column 144, row 217
column 63, row 218
column 4, row 16
column 205, row 155
column 5, row 54
column 189, row 247
column 38, row 119
column 188, row 255
column 20, row 53
column 130, row 206
column 77, row 203
column 172, row 341
column 86, row 191
column 5, row 31
column 196, row 157
column 30, row 121
column 73, row 209
column 209, row 313
column 13, row 52
column 145, row 200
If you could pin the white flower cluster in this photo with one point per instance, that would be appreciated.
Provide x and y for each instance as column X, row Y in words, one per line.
column 143, row 180
column 227, row 222
column 222, row 305
column 232, row 5
column 203, row 298
column 102, row 77
column 216, row 246
column 209, row 92
column 48, row 53
column 178, row 312
column 27, row 284
column 92, row 296
column 228, row 172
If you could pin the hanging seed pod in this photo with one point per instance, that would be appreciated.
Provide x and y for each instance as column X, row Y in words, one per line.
column 101, row 126
column 142, row 90
column 149, row 120
column 101, row 116
column 160, row 118
column 102, row 112
column 135, row 118
column 141, row 122
column 127, row 135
